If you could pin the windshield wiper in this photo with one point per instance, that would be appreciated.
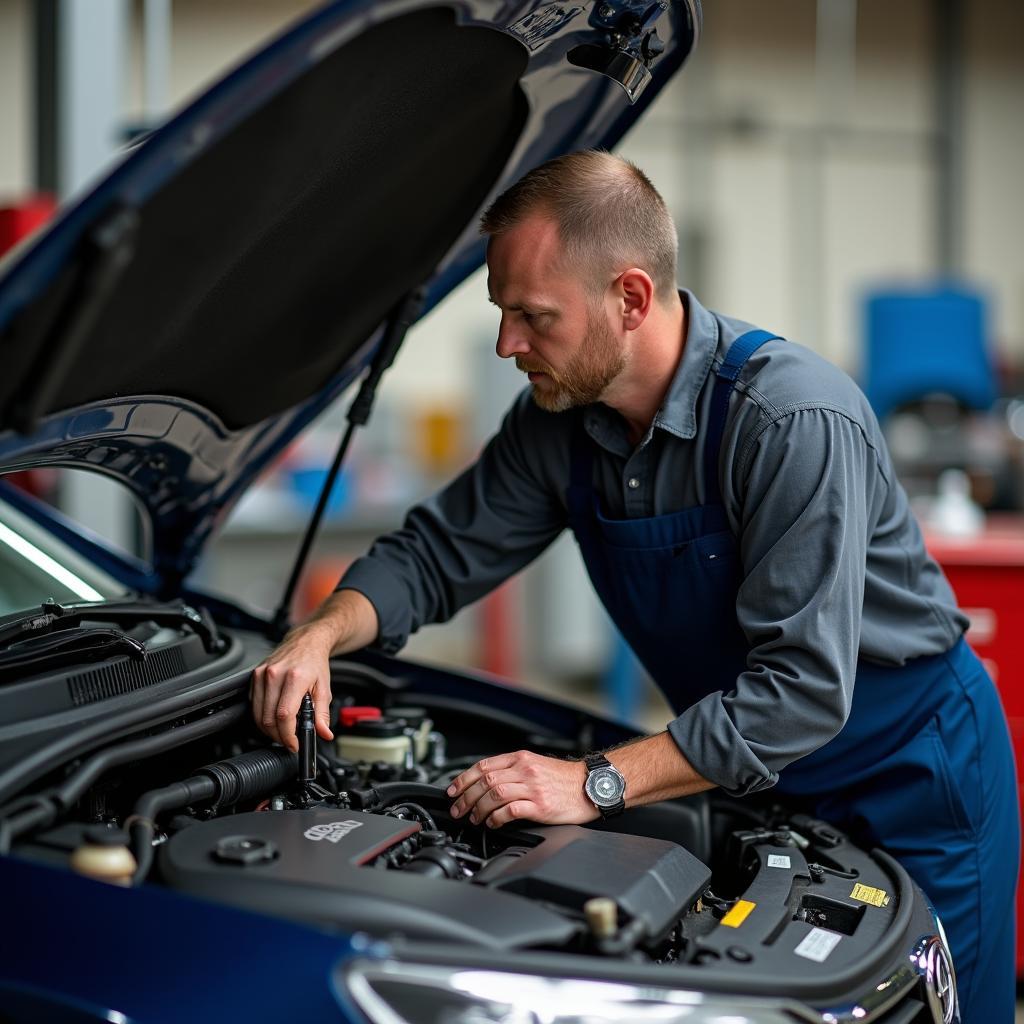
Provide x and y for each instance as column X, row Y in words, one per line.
column 52, row 616
column 71, row 647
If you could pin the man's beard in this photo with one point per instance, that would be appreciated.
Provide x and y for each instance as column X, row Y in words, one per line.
column 585, row 379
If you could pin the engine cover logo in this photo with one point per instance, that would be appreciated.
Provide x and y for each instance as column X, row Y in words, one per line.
column 332, row 831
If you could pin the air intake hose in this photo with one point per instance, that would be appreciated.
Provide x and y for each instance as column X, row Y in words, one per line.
column 228, row 782
column 250, row 775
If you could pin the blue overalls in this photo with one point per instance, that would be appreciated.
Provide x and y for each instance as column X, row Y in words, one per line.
column 922, row 767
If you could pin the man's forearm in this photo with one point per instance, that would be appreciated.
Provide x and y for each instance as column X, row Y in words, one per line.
column 345, row 622
column 535, row 787
column 656, row 769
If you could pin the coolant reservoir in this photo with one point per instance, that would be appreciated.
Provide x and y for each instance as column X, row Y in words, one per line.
column 104, row 855
column 370, row 734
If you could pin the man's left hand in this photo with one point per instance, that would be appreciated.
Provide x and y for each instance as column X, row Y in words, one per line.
column 522, row 785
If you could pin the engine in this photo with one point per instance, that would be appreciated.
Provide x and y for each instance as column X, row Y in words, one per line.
column 377, row 872
column 359, row 838
column 356, row 836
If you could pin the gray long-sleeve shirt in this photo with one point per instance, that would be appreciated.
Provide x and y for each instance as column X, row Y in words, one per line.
column 833, row 563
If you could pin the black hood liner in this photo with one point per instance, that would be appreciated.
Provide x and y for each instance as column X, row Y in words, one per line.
column 398, row 135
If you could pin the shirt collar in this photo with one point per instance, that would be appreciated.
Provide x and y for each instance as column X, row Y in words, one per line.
column 678, row 412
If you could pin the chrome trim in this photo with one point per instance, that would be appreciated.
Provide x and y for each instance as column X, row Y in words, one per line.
column 882, row 998
column 929, row 961
column 935, row 965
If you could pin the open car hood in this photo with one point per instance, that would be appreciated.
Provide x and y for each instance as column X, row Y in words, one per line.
column 178, row 325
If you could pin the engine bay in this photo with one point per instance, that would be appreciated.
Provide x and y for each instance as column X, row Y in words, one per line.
column 356, row 836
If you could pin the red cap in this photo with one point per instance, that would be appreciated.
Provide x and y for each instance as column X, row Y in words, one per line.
column 349, row 716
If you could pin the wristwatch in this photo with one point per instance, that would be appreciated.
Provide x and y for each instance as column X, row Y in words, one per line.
column 605, row 786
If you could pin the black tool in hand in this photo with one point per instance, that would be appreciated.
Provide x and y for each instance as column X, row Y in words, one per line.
column 305, row 730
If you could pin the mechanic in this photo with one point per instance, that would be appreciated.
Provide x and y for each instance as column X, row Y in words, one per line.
column 737, row 511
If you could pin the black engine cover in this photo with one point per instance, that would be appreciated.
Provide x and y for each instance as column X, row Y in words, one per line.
column 650, row 879
column 308, row 866
column 315, row 866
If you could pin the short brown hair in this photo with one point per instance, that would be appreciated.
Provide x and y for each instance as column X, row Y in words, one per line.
column 607, row 211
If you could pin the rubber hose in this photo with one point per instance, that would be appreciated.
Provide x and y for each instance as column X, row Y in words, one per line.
column 250, row 775
column 245, row 777
column 44, row 809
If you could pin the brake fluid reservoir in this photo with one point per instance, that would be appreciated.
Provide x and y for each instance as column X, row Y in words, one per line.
column 367, row 734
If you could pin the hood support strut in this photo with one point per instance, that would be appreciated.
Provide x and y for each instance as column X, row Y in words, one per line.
column 403, row 316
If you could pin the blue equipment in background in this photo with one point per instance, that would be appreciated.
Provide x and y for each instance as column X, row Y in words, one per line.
column 925, row 340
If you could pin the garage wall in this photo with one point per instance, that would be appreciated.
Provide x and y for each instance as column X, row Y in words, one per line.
column 796, row 182
column 803, row 199
column 793, row 201
column 814, row 181
column 994, row 162
column 15, row 100
column 209, row 36
column 791, row 198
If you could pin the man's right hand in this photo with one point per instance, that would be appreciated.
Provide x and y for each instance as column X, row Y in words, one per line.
column 345, row 622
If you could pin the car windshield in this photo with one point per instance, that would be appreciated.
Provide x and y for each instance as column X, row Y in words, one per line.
column 35, row 567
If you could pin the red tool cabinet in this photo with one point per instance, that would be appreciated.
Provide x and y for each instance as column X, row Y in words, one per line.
column 19, row 220
column 987, row 574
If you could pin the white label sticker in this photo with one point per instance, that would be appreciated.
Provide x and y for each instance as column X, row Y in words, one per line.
column 778, row 860
column 817, row 944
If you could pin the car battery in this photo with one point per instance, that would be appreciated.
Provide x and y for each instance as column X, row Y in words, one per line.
column 987, row 575
column 373, row 734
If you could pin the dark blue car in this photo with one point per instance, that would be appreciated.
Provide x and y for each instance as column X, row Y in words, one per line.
column 174, row 330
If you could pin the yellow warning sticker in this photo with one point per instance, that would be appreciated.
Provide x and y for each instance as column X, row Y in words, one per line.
column 738, row 914
column 867, row 894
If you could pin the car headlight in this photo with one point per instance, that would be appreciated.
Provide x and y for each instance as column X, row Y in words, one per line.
column 389, row 992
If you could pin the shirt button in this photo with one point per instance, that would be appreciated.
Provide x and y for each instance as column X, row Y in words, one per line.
column 633, row 483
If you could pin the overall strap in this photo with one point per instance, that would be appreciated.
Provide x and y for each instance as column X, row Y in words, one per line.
column 725, row 380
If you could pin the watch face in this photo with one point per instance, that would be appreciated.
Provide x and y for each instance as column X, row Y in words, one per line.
column 605, row 787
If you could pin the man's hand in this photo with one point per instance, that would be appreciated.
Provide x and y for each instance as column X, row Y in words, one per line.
column 345, row 622
column 299, row 666
column 543, row 789
column 523, row 785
